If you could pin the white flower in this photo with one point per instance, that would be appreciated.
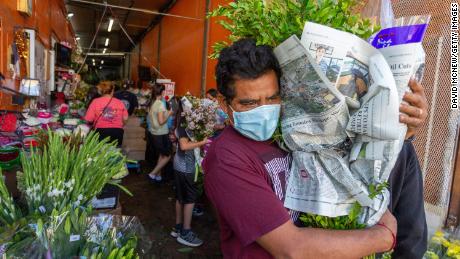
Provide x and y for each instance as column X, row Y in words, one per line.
column 60, row 192
column 80, row 197
column 69, row 184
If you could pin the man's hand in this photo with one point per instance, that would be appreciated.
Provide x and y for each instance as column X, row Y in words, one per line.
column 389, row 221
column 416, row 111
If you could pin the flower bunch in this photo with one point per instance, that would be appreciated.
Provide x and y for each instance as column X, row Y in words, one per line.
column 65, row 173
column 73, row 233
column 200, row 119
column 443, row 245
column 8, row 211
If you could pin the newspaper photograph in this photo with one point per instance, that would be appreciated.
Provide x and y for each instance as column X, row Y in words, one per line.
column 324, row 49
column 315, row 113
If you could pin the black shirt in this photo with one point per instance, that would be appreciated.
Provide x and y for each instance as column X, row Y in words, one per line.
column 129, row 99
column 406, row 204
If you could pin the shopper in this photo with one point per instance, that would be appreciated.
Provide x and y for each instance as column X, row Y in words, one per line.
column 211, row 94
column 253, row 225
column 129, row 99
column 187, row 191
column 221, row 117
column 107, row 114
column 158, row 116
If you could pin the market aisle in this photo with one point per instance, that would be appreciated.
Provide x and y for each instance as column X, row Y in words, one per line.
column 154, row 205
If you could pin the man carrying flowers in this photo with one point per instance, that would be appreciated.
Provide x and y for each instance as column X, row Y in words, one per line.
column 245, row 171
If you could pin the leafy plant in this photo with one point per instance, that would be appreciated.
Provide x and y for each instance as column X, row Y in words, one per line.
column 350, row 221
column 68, row 171
column 272, row 22
column 9, row 213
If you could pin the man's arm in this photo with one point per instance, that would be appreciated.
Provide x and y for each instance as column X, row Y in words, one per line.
column 289, row 241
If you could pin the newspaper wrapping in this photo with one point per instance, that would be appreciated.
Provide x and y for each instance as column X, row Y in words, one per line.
column 340, row 119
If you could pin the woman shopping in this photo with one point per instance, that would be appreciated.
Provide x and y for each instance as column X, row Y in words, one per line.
column 107, row 114
column 158, row 116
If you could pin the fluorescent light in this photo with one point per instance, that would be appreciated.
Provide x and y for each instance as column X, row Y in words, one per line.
column 110, row 25
column 104, row 50
column 70, row 15
column 78, row 38
column 102, row 61
column 107, row 42
column 99, row 54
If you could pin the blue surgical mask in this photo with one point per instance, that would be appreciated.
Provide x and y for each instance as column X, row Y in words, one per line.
column 222, row 114
column 259, row 123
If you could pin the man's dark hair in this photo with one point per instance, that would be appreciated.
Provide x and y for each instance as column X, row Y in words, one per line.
column 212, row 92
column 243, row 60
column 2, row 77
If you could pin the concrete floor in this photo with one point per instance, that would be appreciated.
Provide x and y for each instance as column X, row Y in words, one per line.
column 154, row 204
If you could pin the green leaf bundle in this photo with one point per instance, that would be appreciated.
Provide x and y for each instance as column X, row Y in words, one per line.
column 272, row 22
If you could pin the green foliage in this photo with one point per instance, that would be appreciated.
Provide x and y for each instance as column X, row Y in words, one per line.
column 68, row 171
column 272, row 23
column 349, row 221
column 9, row 213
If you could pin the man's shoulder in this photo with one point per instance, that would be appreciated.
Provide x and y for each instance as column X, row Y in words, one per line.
column 229, row 141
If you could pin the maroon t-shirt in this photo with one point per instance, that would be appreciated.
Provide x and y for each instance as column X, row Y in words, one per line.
column 245, row 179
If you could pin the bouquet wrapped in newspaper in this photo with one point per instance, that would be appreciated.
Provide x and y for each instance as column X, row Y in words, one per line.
column 200, row 120
column 340, row 119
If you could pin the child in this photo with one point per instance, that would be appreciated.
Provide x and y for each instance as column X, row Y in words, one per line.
column 186, row 190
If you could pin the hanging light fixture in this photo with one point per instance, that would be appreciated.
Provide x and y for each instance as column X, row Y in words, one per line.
column 70, row 15
column 105, row 49
column 78, row 38
column 107, row 42
column 102, row 62
column 110, row 25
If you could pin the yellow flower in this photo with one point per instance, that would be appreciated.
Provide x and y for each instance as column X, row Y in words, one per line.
column 453, row 250
column 445, row 242
column 438, row 240
column 439, row 234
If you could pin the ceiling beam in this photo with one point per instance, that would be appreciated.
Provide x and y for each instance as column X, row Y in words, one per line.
column 135, row 9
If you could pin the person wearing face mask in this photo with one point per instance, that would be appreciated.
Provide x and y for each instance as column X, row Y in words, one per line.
column 245, row 170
